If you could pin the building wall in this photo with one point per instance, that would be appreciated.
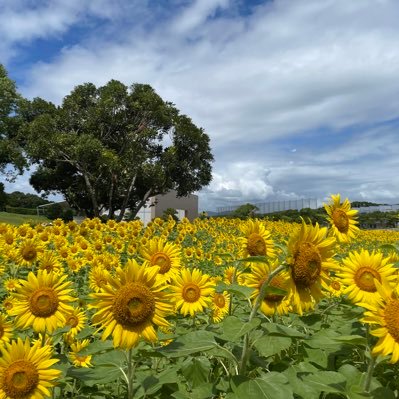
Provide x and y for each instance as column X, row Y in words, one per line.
column 186, row 206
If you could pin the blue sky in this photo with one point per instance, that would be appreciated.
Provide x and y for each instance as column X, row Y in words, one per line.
column 299, row 97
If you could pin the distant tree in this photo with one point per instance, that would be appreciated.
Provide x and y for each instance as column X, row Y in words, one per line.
column 170, row 212
column 358, row 204
column 3, row 198
column 113, row 147
column 245, row 211
column 18, row 199
column 10, row 149
column 59, row 211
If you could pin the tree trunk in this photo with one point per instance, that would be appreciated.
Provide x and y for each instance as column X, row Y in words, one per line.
column 111, row 210
column 140, row 204
column 92, row 194
column 126, row 199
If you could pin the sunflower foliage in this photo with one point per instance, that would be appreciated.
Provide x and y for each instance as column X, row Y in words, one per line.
column 213, row 308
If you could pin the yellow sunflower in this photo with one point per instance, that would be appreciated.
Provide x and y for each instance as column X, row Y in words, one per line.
column 42, row 301
column 192, row 291
column 220, row 306
column 233, row 275
column 164, row 254
column 130, row 304
column 25, row 370
column 50, row 262
column 360, row 271
column 5, row 329
column 28, row 252
column 335, row 287
column 272, row 303
column 384, row 318
column 310, row 259
column 77, row 359
column 76, row 320
column 256, row 241
column 11, row 284
column 8, row 237
column 342, row 218
column 8, row 304
column 98, row 278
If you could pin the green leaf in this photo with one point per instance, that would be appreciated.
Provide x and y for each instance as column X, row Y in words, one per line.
column 196, row 370
column 239, row 290
column 95, row 375
column 326, row 381
column 272, row 386
column 86, row 332
column 153, row 383
column 317, row 356
column 97, row 347
column 356, row 340
column 279, row 329
column 236, row 289
column 270, row 290
column 192, row 342
column 325, row 339
column 203, row 391
column 270, row 345
column 354, row 382
column 382, row 393
column 234, row 328
column 294, row 376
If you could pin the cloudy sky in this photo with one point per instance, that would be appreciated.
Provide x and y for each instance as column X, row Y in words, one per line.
column 299, row 97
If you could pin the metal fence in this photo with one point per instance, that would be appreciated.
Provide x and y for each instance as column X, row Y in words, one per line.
column 275, row 206
column 377, row 208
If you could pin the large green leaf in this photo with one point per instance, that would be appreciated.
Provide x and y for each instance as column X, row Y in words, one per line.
column 356, row 340
column 284, row 331
column 192, row 342
column 354, row 388
column 196, row 370
column 234, row 328
column 270, row 345
column 326, row 381
column 317, row 356
column 150, row 384
column 203, row 391
column 271, row 386
column 294, row 376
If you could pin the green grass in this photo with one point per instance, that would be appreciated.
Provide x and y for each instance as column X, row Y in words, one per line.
column 17, row 219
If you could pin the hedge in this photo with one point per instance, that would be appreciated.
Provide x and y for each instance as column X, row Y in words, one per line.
column 21, row 211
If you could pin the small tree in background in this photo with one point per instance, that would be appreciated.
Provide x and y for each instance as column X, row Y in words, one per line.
column 57, row 211
column 170, row 212
column 245, row 211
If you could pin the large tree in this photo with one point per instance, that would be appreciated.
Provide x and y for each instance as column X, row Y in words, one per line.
column 10, row 149
column 112, row 147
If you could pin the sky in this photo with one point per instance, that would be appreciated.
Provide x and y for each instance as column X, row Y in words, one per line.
column 300, row 98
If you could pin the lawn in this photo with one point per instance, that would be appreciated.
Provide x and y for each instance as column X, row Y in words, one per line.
column 17, row 219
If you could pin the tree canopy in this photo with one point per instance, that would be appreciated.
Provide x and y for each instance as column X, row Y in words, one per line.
column 17, row 199
column 244, row 211
column 112, row 147
column 10, row 150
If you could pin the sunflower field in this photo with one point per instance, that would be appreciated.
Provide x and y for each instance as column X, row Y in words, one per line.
column 214, row 308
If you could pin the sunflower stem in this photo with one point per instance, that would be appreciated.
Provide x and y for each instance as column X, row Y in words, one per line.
column 371, row 365
column 262, row 292
column 233, row 280
column 130, row 371
column 369, row 374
